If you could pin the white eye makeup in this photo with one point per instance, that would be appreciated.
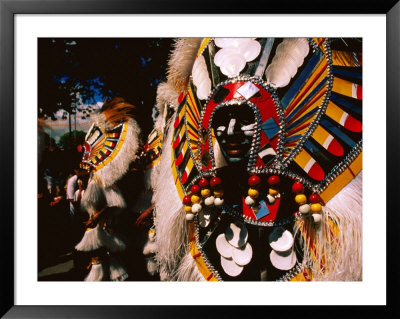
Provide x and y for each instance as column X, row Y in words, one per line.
column 248, row 130
column 220, row 130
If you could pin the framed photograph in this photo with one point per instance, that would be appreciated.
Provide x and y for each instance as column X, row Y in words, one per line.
column 35, row 33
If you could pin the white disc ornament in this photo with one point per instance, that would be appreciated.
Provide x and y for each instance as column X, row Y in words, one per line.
column 281, row 240
column 223, row 247
column 237, row 234
column 189, row 217
column 283, row 261
column 242, row 256
column 230, row 267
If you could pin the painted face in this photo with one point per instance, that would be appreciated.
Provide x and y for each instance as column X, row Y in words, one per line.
column 234, row 128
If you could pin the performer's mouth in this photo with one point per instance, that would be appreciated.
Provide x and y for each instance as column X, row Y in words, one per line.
column 234, row 149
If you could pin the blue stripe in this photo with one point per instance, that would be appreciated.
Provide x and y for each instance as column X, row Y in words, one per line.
column 337, row 132
column 293, row 138
column 346, row 73
column 270, row 128
column 306, row 100
column 304, row 75
column 342, row 102
column 302, row 119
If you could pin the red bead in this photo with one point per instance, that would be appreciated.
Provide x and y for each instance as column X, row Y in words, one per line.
column 274, row 180
column 298, row 188
column 187, row 200
column 314, row 198
column 203, row 182
column 254, row 180
column 195, row 189
column 215, row 181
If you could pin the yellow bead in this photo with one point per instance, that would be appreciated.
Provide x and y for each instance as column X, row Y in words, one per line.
column 218, row 193
column 301, row 199
column 195, row 199
column 272, row 191
column 316, row 208
column 188, row 209
column 205, row 192
column 253, row 193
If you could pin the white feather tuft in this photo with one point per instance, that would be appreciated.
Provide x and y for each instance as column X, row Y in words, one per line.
column 338, row 255
column 117, row 168
column 188, row 270
column 96, row 273
column 96, row 238
column 93, row 199
column 170, row 216
column 117, row 272
column 181, row 62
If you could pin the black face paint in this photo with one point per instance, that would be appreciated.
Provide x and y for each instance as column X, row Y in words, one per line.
column 234, row 127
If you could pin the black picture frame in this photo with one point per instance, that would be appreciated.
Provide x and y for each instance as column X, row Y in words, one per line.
column 8, row 10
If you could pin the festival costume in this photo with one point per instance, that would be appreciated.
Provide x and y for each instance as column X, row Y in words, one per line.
column 110, row 147
column 260, row 174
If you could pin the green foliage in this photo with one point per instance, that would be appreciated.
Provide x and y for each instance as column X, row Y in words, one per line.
column 69, row 141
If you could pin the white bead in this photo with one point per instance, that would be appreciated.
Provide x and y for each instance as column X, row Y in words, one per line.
column 209, row 201
column 304, row 209
column 189, row 217
column 271, row 199
column 249, row 201
column 317, row 218
column 196, row 208
column 218, row 201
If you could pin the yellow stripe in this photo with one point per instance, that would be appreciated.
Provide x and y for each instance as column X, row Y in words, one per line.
column 201, row 265
column 202, row 46
column 302, row 158
column 342, row 180
column 343, row 87
column 342, row 58
column 334, row 112
column 117, row 148
column 319, row 67
column 320, row 135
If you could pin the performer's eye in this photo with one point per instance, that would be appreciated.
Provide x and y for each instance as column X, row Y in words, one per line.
column 220, row 130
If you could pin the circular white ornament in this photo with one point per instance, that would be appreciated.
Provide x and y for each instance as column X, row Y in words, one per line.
column 196, row 208
column 230, row 267
column 233, row 64
column 223, row 247
column 305, row 209
column 277, row 76
column 237, row 234
column 280, row 239
column 251, row 50
column 218, row 201
column 189, row 217
column 283, row 261
column 209, row 201
column 242, row 256
column 231, row 42
column 221, row 55
column 317, row 218
column 249, row 201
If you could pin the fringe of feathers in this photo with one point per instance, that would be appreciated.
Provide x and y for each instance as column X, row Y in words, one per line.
column 333, row 249
column 169, row 217
column 96, row 238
